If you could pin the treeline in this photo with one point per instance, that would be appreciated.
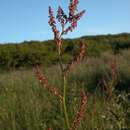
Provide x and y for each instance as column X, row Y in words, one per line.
column 29, row 53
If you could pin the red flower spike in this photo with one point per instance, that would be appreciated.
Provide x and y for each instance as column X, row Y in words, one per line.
column 73, row 7
column 61, row 16
column 80, row 114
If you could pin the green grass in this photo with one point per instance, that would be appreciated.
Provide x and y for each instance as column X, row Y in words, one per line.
column 26, row 105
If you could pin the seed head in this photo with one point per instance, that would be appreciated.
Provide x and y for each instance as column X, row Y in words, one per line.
column 52, row 23
column 44, row 82
column 77, row 59
column 73, row 7
column 61, row 16
column 80, row 114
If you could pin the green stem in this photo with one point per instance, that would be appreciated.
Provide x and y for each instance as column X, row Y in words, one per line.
column 64, row 104
column 64, row 87
column 60, row 60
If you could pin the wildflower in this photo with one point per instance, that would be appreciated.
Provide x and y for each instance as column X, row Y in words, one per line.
column 64, row 19
column 61, row 16
column 69, row 29
column 79, row 15
column 52, row 23
column 73, row 7
column 80, row 114
column 52, row 18
column 77, row 59
column 73, row 20
column 43, row 80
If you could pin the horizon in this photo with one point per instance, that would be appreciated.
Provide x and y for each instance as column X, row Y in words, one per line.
column 98, row 35
column 28, row 20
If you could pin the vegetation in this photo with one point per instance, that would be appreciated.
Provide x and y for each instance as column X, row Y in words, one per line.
column 68, row 24
column 27, row 54
column 95, row 96
column 26, row 105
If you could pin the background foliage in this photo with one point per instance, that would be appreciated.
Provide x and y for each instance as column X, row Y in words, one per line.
column 29, row 53
column 26, row 105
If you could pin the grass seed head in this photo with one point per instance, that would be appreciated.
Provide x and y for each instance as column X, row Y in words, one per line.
column 44, row 82
column 76, row 59
column 80, row 114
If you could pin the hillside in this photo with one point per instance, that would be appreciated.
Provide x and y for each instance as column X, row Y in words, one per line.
column 29, row 53
column 29, row 100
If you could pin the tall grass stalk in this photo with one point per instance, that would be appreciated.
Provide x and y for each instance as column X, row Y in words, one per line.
column 72, row 18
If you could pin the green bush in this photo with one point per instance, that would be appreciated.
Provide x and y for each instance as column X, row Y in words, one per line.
column 27, row 54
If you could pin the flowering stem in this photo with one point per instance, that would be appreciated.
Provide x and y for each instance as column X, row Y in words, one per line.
column 64, row 104
column 60, row 61
column 72, row 18
column 64, row 90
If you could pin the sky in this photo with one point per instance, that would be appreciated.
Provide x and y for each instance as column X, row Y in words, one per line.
column 24, row 20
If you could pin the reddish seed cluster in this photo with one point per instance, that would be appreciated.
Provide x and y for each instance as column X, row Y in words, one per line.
column 73, row 20
column 52, row 23
column 77, row 59
column 64, row 19
column 52, row 18
column 82, row 51
column 43, row 80
column 61, row 16
column 80, row 114
column 73, row 7
column 79, row 15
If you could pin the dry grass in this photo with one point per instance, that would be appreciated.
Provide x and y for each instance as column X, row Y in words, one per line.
column 24, row 104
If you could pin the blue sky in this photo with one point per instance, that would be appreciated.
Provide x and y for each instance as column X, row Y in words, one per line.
column 28, row 19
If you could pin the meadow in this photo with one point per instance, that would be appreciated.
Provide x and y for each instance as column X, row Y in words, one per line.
column 26, row 105
column 66, row 84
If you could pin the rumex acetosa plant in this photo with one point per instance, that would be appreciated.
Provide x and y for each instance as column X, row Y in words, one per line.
column 68, row 24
